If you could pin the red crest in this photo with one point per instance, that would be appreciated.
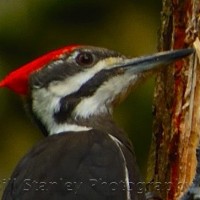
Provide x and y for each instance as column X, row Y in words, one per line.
column 17, row 80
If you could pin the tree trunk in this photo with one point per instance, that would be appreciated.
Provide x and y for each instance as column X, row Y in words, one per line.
column 172, row 162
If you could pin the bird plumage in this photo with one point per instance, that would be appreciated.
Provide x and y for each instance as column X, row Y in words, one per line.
column 71, row 93
column 83, row 165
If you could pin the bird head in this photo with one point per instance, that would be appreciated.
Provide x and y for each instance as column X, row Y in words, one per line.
column 80, row 82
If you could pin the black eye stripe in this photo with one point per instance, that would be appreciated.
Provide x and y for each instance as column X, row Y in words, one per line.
column 69, row 102
column 69, row 65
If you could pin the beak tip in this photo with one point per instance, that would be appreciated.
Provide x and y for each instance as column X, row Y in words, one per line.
column 180, row 53
column 186, row 52
column 147, row 63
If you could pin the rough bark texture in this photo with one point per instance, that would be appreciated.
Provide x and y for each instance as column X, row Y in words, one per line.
column 172, row 163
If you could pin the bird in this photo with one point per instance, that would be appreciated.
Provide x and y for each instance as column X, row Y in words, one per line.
column 71, row 93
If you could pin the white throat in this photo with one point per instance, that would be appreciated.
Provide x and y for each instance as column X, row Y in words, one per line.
column 46, row 100
column 45, row 105
column 101, row 101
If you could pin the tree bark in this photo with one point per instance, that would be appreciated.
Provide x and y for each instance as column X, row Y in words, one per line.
column 176, row 127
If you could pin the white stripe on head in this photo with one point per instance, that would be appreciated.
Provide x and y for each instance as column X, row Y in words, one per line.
column 45, row 105
column 46, row 101
column 100, row 101
column 72, row 84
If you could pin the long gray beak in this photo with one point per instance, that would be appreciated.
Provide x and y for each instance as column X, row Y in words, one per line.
column 147, row 63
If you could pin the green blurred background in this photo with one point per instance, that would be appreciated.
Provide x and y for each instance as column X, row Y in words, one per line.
column 29, row 28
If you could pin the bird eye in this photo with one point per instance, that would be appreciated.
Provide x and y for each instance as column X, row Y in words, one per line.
column 85, row 58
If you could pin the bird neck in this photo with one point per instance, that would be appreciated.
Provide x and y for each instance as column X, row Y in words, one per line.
column 56, row 114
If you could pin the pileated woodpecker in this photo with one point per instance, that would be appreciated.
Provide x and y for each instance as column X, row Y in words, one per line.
column 71, row 93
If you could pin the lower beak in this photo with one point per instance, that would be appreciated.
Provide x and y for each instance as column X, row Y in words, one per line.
column 148, row 63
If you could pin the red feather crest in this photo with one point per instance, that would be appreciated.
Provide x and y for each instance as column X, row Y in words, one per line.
column 18, row 79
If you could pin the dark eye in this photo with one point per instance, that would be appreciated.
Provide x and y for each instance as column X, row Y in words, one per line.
column 85, row 59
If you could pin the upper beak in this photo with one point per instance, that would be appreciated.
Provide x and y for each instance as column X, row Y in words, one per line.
column 147, row 63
